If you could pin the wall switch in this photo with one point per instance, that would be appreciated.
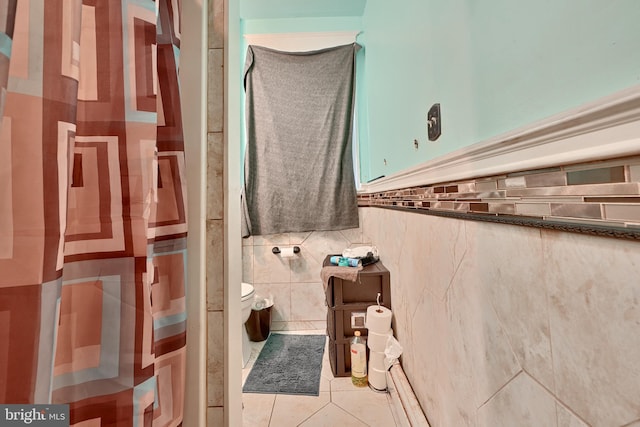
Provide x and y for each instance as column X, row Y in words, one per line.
column 358, row 320
column 433, row 122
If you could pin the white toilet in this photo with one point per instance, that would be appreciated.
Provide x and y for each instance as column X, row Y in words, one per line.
column 247, row 301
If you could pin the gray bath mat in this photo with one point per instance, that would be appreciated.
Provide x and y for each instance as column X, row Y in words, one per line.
column 288, row 364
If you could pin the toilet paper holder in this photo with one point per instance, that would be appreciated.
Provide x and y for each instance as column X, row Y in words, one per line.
column 276, row 250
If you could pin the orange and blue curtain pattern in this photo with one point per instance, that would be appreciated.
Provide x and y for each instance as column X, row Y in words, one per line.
column 92, row 209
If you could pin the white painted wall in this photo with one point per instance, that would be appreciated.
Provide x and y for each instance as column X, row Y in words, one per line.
column 232, row 234
column 192, row 76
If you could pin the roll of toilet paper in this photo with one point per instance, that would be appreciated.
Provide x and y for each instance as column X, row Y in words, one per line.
column 378, row 379
column 376, row 360
column 378, row 318
column 287, row 253
column 378, row 342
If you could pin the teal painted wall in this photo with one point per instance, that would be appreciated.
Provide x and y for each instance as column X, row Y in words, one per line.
column 493, row 66
column 415, row 56
column 297, row 25
column 539, row 58
column 268, row 9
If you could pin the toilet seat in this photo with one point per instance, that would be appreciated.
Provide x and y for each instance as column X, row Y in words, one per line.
column 247, row 301
column 247, row 291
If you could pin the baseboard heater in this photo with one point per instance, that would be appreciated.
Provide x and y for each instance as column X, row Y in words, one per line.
column 404, row 405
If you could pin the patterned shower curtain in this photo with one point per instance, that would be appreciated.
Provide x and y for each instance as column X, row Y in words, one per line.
column 92, row 209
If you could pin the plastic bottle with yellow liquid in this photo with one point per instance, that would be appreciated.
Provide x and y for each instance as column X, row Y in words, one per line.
column 358, row 361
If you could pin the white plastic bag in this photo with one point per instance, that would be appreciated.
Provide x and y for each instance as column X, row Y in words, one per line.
column 392, row 352
column 260, row 302
column 360, row 252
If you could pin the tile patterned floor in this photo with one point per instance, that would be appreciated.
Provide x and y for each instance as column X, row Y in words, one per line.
column 339, row 403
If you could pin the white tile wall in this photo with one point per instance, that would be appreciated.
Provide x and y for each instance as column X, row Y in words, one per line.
column 295, row 282
column 510, row 325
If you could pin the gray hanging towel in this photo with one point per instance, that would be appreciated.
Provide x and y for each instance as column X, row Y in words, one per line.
column 298, row 170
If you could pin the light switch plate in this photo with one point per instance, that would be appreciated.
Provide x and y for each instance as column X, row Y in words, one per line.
column 358, row 320
column 434, row 126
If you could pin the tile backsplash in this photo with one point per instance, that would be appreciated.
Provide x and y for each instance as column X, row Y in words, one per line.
column 295, row 284
column 504, row 325
column 597, row 198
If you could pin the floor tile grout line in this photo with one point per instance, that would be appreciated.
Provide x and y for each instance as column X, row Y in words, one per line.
column 357, row 417
column 319, row 409
column 273, row 408
column 631, row 423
